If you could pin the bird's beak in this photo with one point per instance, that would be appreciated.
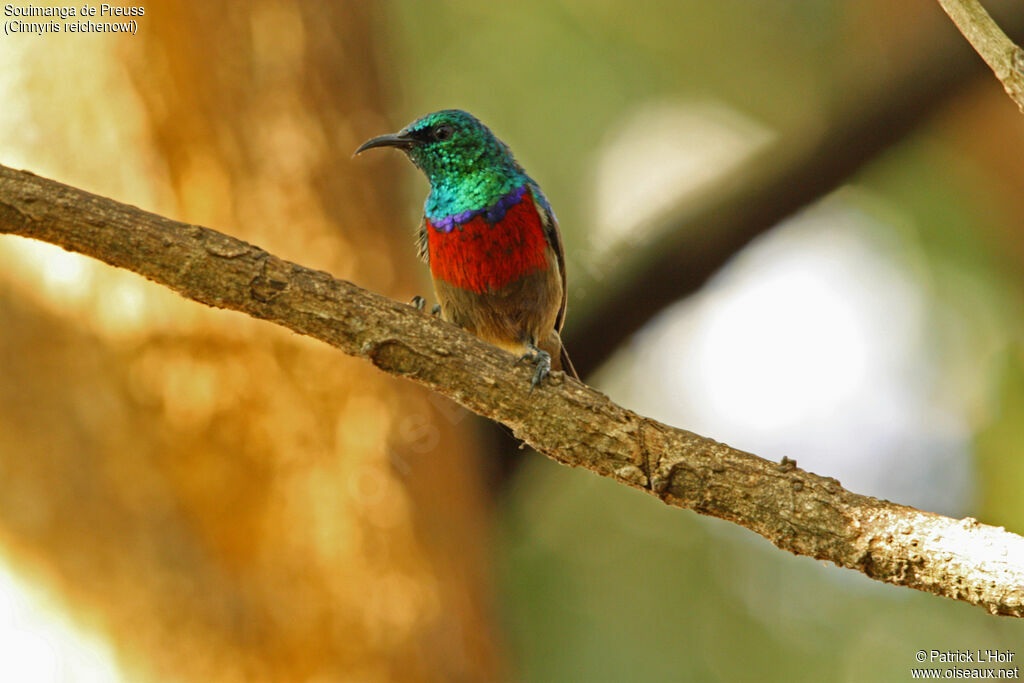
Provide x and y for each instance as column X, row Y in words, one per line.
column 393, row 140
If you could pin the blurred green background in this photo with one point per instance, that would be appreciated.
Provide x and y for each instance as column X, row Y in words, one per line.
column 599, row 583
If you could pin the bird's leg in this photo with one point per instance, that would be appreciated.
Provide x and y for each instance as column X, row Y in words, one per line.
column 542, row 359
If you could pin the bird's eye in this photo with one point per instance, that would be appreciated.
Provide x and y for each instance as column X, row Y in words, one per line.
column 443, row 132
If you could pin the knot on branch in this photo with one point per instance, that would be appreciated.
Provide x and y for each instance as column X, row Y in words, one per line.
column 1017, row 61
column 223, row 246
column 272, row 280
column 394, row 355
column 787, row 464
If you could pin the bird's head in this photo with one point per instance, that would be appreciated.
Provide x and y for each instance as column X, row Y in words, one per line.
column 450, row 146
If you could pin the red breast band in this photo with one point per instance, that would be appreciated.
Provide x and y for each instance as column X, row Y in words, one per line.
column 480, row 256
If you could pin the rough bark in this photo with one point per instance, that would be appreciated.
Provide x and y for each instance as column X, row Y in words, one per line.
column 798, row 511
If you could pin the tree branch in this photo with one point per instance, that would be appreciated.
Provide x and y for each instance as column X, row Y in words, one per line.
column 797, row 511
column 1001, row 54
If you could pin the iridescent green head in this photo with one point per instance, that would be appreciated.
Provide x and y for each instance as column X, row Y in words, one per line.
column 469, row 169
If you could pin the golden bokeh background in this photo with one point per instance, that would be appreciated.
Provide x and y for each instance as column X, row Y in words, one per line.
column 217, row 495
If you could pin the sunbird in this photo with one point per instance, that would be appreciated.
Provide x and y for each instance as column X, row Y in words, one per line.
column 490, row 238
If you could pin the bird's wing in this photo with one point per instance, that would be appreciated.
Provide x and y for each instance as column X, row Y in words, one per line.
column 554, row 238
column 422, row 248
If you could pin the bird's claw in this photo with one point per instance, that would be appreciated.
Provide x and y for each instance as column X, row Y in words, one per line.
column 419, row 303
column 542, row 360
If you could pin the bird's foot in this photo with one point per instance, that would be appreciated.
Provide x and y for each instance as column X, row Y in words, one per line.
column 419, row 303
column 542, row 359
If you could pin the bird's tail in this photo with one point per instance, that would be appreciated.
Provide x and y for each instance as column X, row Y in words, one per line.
column 567, row 365
column 560, row 355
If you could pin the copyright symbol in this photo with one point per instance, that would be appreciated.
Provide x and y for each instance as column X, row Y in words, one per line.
column 921, row 655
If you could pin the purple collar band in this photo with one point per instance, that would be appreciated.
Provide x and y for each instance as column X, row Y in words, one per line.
column 493, row 214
